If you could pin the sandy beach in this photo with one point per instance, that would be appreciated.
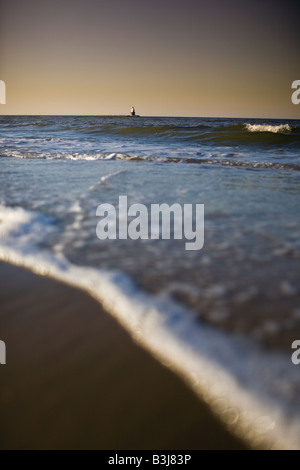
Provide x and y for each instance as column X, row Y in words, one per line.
column 75, row 380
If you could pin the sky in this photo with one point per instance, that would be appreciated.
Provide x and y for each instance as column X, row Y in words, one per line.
column 235, row 58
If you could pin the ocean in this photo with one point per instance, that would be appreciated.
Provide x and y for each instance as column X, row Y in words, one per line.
column 224, row 317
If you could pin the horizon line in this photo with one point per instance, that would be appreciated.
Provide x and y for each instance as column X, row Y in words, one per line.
column 148, row 116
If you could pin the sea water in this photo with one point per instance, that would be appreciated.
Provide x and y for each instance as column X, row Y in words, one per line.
column 224, row 317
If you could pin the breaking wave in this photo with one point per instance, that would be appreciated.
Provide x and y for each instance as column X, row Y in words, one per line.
column 276, row 129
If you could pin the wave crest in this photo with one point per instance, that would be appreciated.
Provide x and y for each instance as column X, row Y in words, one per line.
column 279, row 129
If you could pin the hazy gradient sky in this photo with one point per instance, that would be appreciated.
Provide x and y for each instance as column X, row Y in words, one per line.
column 167, row 57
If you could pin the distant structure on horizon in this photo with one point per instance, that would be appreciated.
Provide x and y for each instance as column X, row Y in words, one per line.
column 132, row 112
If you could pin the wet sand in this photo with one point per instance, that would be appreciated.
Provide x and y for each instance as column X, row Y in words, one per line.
column 74, row 379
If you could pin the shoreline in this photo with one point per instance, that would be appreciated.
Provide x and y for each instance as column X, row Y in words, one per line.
column 75, row 379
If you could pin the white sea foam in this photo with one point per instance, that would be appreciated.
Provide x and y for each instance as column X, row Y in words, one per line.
column 281, row 128
column 105, row 178
column 255, row 393
column 64, row 155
